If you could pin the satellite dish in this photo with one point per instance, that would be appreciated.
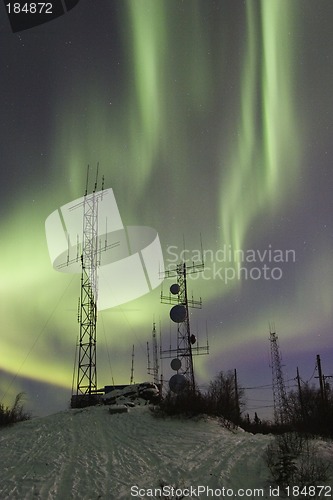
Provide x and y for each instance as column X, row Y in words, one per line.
column 174, row 289
column 176, row 364
column 178, row 313
column 177, row 383
column 193, row 339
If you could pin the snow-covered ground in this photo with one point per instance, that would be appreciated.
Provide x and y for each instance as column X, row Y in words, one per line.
column 90, row 454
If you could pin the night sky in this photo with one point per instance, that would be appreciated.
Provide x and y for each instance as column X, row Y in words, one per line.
column 209, row 118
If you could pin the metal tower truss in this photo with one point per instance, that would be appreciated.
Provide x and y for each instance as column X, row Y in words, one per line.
column 279, row 391
column 186, row 348
column 86, row 379
column 87, row 317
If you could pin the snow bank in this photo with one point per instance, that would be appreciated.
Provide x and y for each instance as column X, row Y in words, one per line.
column 89, row 454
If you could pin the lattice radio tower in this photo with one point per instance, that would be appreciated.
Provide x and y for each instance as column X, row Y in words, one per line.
column 86, row 386
column 279, row 391
column 179, row 313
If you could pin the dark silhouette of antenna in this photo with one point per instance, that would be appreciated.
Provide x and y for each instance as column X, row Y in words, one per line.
column 154, row 370
column 132, row 367
column 179, row 313
column 279, row 391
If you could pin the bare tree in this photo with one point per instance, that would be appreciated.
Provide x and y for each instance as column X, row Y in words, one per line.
column 224, row 397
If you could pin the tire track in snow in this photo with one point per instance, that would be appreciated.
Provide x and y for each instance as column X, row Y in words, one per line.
column 89, row 454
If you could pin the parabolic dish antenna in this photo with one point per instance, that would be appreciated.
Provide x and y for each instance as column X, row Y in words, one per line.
column 177, row 383
column 178, row 313
column 174, row 289
column 176, row 364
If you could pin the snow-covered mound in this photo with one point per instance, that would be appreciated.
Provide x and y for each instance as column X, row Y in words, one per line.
column 134, row 393
column 90, row 454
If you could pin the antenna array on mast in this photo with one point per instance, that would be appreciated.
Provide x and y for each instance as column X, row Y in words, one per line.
column 179, row 313
column 86, row 386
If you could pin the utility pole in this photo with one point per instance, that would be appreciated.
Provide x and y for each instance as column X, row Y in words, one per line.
column 300, row 396
column 321, row 381
column 236, row 395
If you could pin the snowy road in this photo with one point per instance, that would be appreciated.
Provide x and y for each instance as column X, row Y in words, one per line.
column 90, row 454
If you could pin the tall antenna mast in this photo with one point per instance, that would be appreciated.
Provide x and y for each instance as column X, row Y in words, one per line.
column 132, row 367
column 155, row 356
column 183, row 362
column 155, row 369
column 86, row 387
column 279, row 391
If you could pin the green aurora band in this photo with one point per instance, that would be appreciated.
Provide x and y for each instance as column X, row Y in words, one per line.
column 266, row 153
